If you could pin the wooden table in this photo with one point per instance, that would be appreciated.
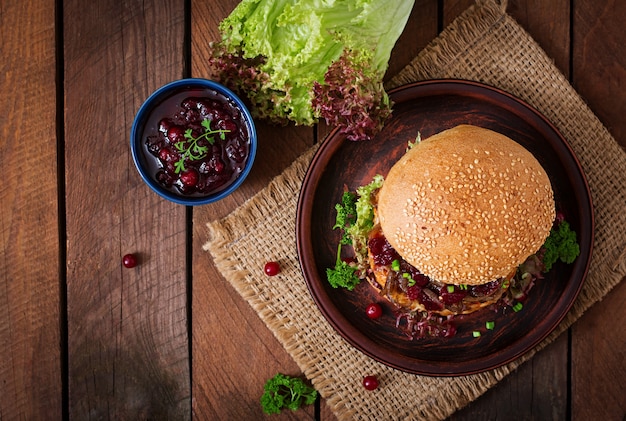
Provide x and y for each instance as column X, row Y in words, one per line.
column 84, row 338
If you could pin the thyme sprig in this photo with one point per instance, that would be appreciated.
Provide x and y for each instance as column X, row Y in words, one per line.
column 191, row 150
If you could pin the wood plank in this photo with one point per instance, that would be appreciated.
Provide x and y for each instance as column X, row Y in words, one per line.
column 599, row 65
column 539, row 388
column 536, row 391
column 233, row 352
column 598, row 368
column 420, row 29
column 549, row 25
column 30, row 358
column 127, row 328
column 598, row 338
column 547, row 22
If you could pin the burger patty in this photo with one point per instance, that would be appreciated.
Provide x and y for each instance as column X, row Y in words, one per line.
column 409, row 289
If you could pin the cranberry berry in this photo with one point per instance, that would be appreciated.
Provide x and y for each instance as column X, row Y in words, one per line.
column 374, row 311
column 167, row 155
column 176, row 134
column 129, row 261
column 189, row 177
column 271, row 268
column 370, row 382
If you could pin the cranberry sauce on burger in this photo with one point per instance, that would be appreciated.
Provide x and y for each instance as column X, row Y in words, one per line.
column 459, row 223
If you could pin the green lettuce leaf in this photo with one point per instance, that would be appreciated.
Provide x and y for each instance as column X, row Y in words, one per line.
column 302, row 60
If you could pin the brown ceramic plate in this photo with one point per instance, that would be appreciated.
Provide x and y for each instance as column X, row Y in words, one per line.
column 429, row 107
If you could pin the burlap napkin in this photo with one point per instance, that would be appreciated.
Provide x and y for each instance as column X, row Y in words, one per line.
column 486, row 45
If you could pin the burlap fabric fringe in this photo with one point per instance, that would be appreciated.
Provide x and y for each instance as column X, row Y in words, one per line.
column 486, row 45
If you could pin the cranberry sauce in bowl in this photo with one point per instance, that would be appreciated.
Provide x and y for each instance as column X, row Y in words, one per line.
column 193, row 141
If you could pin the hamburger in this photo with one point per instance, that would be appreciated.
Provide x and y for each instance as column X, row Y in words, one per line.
column 458, row 224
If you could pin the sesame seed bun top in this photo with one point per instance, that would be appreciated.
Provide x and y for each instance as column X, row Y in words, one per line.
column 466, row 206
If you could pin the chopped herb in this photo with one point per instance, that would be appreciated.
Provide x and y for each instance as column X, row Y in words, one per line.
column 476, row 334
column 490, row 325
column 450, row 288
column 410, row 281
column 395, row 265
column 417, row 140
column 517, row 307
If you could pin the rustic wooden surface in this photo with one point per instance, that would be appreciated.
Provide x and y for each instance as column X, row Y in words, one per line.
column 84, row 338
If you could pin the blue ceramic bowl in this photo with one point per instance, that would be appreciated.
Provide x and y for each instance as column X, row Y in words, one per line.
column 147, row 140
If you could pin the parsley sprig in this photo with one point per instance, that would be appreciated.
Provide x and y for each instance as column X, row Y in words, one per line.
column 343, row 274
column 560, row 245
column 193, row 151
column 282, row 391
column 346, row 215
